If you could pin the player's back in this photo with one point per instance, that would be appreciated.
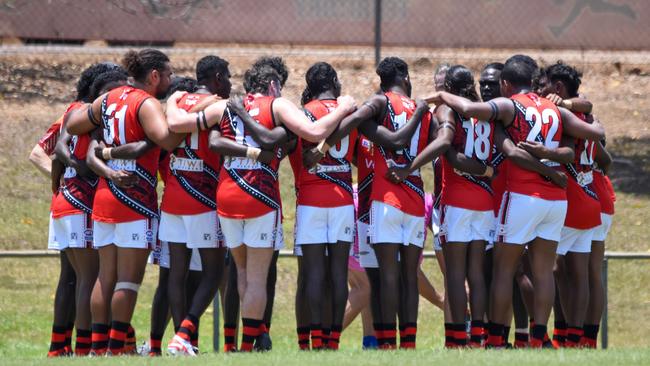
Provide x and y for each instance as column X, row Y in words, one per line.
column 536, row 119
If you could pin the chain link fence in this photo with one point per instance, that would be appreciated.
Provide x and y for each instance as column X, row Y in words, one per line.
column 576, row 24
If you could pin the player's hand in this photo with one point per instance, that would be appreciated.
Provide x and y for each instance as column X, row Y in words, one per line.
column 236, row 104
column 397, row 175
column 559, row 179
column 347, row 103
column 434, row 98
column 421, row 105
column 311, row 157
column 176, row 96
column 266, row 156
column 82, row 169
column 56, row 184
column 554, row 98
column 122, row 178
column 535, row 148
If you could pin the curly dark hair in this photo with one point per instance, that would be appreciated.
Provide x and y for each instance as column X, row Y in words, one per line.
column 140, row 63
column 519, row 71
column 390, row 69
column 88, row 77
column 210, row 65
column 320, row 77
column 569, row 76
column 182, row 83
column 494, row 65
column 460, row 81
column 114, row 77
column 257, row 79
column 277, row 63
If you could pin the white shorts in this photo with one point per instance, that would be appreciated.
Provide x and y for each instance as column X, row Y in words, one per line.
column 139, row 234
column 600, row 232
column 320, row 225
column 390, row 225
column 367, row 258
column 52, row 243
column 74, row 231
column 160, row 256
column 259, row 232
column 523, row 218
column 574, row 240
column 196, row 231
column 460, row 225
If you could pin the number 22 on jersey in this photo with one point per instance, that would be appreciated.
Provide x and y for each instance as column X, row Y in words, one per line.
column 545, row 126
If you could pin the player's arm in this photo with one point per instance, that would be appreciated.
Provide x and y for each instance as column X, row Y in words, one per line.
column 602, row 157
column 564, row 154
column 85, row 119
column 501, row 109
column 267, row 139
column 63, row 154
column 58, row 169
column 132, row 150
column 121, row 178
column 155, row 127
column 578, row 104
column 524, row 159
column 205, row 103
column 39, row 158
column 297, row 122
column 228, row 147
column 574, row 126
column 466, row 164
column 180, row 121
column 395, row 140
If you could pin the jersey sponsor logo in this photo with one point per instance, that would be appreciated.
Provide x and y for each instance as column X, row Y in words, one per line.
column 233, row 162
column 128, row 165
column 70, row 172
column 320, row 168
column 185, row 164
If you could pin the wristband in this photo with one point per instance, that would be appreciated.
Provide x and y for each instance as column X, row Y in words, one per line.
column 253, row 152
column 106, row 153
column 323, row 147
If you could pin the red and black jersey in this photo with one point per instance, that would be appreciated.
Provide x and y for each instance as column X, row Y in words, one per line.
column 248, row 188
column 536, row 119
column 77, row 192
column 193, row 171
column 121, row 125
column 365, row 175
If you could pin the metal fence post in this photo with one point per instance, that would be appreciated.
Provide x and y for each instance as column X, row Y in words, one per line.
column 215, row 322
column 377, row 31
column 603, row 323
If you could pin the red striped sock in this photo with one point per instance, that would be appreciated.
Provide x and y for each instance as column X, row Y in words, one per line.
column 379, row 332
column 326, row 337
column 559, row 333
column 155, row 344
column 229, row 335
column 334, row 337
column 449, row 336
column 188, row 327
column 537, row 336
column 99, row 339
column 131, row 342
column 521, row 338
column 495, row 335
column 590, row 336
column 476, row 334
column 250, row 331
column 57, row 342
column 408, row 335
column 574, row 334
column 390, row 337
column 316, row 333
column 117, row 337
column 303, row 338
column 83, row 342
column 68, row 338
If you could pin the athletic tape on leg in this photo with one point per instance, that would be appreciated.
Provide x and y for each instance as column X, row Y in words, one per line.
column 127, row 286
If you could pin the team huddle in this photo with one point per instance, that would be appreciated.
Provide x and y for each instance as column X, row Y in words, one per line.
column 520, row 210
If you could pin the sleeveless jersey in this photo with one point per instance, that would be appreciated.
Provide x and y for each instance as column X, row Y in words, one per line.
column 329, row 184
column 248, row 188
column 193, row 170
column 407, row 196
column 48, row 142
column 121, row 125
column 536, row 119
column 365, row 175
column 583, row 207
column 605, row 191
column 475, row 139
column 77, row 193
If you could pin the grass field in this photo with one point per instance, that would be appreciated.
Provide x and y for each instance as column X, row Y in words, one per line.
column 32, row 94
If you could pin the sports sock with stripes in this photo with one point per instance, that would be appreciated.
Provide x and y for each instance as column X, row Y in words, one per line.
column 449, row 336
column 155, row 343
column 99, row 338
column 250, row 331
column 57, row 341
column 83, row 342
column 495, row 335
column 476, row 333
column 559, row 333
column 68, row 338
column 303, row 338
column 326, row 337
column 188, row 327
column 407, row 336
column 194, row 338
column 334, row 337
column 229, row 335
column 459, row 331
column 521, row 338
column 316, row 333
column 590, row 336
column 117, row 337
column 379, row 332
column 131, row 343
column 574, row 334
column 537, row 336
column 390, row 336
